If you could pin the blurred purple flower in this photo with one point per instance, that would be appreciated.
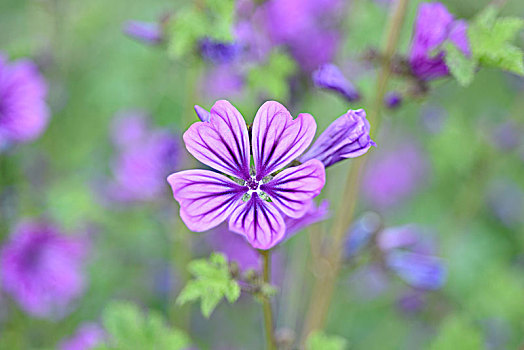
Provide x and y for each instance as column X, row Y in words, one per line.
column 88, row 336
column 146, row 32
column 408, row 252
column 506, row 201
column 346, row 137
column 433, row 118
column 393, row 99
column 202, row 114
column 256, row 203
column 42, row 269
column 223, row 81
column 361, row 232
column 236, row 248
column 412, row 301
column 306, row 27
column 24, row 113
column 328, row 76
column 145, row 157
column 394, row 174
column 219, row 52
column 418, row 270
column 507, row 135
column 433, row 26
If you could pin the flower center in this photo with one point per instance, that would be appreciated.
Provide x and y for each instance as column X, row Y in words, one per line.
column 252, row 184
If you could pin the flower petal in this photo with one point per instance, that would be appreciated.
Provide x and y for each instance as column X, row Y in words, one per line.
column 278, row 139
column 206, row 198
column 223, row 142
column 259, row 221
column 292, row 189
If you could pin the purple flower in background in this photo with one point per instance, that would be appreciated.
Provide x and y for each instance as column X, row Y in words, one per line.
column 207, row 198
column 508, row 135
column 328, row 76
column 412, row 301
column 418, row 270
column 222, row 81
column 393, row 99
column 24, row 113
column 145, row 157
column 219, row 52
column 42, row 269
column 394, row 174
column 409, row 254
column 506, row 201
column 146, row 32
column 346, row 137
column 88, row 336
column 305, row 27
column 361, row 232
column 433, row 26
column 236, row 248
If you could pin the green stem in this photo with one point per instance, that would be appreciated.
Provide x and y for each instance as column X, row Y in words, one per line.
column 330, row 262
column 266, row 303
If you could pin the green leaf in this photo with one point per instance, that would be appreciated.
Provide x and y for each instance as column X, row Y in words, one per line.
column 185, row 30
column 271, row 79
column 212, row 282
column 461, row 67
column 129, row 328
column 457, row 333
column 491, row 37
column 318, row 340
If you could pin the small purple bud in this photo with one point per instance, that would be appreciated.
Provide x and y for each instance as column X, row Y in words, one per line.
column 203, row 114
column 398, row 237
column 393, row 99
column 219, row 52
column 418, row 270
column 360, row 233
column 346, row 137
column 146, row 32
column 328, row 76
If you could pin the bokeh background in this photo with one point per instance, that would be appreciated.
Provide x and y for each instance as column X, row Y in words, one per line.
column 447, row 172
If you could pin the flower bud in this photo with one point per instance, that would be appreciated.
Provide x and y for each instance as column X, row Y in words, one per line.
column 346, row 137
column 203, row 114
column 145, row 32
column 328, row 76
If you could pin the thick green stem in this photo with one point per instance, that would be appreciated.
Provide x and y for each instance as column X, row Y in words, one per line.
column 266, row 302
column 328, row 265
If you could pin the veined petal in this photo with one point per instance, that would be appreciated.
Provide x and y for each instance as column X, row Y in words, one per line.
column 259, row 221
column 292, row 189
column 278, row 139
column 223, row 142
column 206, row 198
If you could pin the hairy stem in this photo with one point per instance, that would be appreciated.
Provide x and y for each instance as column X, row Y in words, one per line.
column 328, row 265
column 266, row 303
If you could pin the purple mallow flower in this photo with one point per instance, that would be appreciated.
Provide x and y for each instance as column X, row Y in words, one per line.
column 255, row 201
column 306, row 27
column 146, row 32
column 346, row 137
column 42, row 269
column 145, row 157
column 88, row 336
column 433, row 26
column 219, row 52
column 24, row 113
column 328, row 76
